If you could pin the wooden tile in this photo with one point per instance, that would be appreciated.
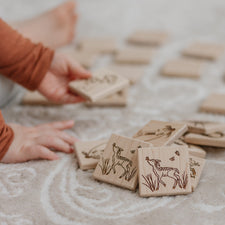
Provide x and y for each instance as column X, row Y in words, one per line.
column 196, row 165
column 85, row 58
column 89, row 152
column 215, row 139
column 135, row 55
column 201, row 127
column 197, row 151
column 194, row 150
column 161, row 133
column 214, row 103
column 118, row 164
column 102, row 84
column 148, row 37
column 132, row 72
column 35, row 98
column 118, row 99
column 183, row 68
column 99, row 45
column 210, row 51
column 163, row 171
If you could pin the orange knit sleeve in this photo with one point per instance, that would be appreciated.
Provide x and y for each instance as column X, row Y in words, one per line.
column 6, row 136
column 21, row 60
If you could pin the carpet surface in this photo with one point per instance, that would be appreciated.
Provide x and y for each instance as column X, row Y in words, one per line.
column 53, row 193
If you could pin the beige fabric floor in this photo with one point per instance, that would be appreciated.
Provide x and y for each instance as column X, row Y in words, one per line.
column 50, row 193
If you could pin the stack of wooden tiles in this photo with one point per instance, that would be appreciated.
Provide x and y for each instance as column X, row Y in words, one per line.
column 156, row 157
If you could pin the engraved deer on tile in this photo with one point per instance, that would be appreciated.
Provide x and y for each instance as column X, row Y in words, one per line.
column 161, row 172
column 121, row 161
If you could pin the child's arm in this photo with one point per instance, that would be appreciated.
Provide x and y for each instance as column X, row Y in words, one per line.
column 36, row 67
column 21, row 60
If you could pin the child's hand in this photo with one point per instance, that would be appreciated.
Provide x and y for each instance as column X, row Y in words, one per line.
column 35, row 142
column 55, row 87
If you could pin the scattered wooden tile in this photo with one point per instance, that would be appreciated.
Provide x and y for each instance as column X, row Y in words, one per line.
column 161, row 133
column 216, row 139
column 197, row 151
column 163, row 171
column 102, row 84
column 187, row 68
column 201, row 127
column 214, row 103
column 35, row 98
column 85, row 58
column 195, row 126
column 148, row 37
column 118, row 164
column 132, row 72
column 196, row 165
column 118, row 99
column 99, row 45
column 210, row 51
column 194, row 150
column 89, row 152
column 135, row 55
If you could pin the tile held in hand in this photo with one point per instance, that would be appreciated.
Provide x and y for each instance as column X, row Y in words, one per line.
column 102, row 84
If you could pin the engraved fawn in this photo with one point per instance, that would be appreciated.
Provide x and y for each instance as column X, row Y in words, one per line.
column 161, row 172
column 118, row 160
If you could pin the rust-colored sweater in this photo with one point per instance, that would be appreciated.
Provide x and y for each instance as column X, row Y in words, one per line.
column 23, row 62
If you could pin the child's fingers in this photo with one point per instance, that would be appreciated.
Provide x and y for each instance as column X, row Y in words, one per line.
column 54, row 142
column 41, row 152
column 59, row 125
column 77, row 71
column 70, row 98
column 60, row 134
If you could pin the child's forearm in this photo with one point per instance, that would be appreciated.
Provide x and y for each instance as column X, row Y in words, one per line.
column 6, row 137
column 21, row 60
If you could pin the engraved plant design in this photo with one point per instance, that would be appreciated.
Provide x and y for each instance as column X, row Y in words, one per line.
column 149, row 182
column 161, row 172
column 193, row 164
column 108, row 79
column 95, row 152
column 118, row 161
column 159, row 133
column 105, row 167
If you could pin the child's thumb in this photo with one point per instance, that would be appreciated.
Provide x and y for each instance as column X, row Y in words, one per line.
column 77, row 71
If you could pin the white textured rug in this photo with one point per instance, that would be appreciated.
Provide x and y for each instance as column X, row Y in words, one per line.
column 43, row 192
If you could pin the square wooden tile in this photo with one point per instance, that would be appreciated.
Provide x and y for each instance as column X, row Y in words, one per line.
column 216, row 139
column 102, row 84
column 201, row 127
column 85, row 58
column 99, row 45
column 118, row 99
column 118, row 164
column 132, row 72
column 214, row 103
column 148, row 37
column 196, row 165
column 135, row 55
column 163, row 171
column 183, row 68
column 194, row 150
column 89, row 152
column 160, row 133
column 197, row 151
column 35, row 98
column 210, row 51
